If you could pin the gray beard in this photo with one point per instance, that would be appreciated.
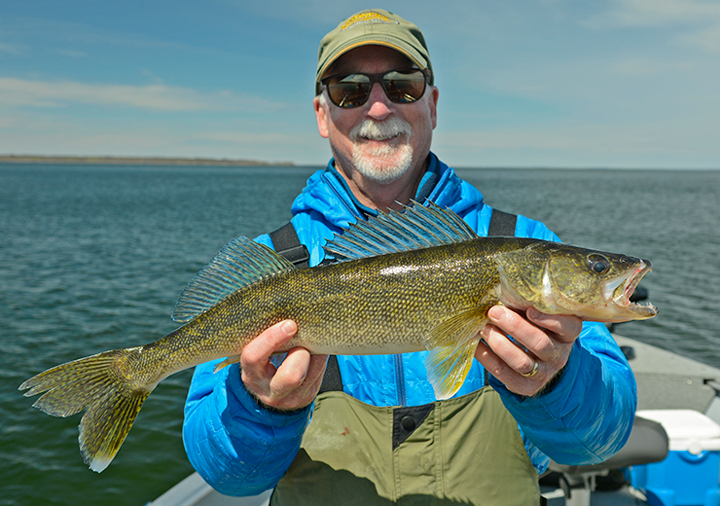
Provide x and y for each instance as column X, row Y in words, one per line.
column 379, row 130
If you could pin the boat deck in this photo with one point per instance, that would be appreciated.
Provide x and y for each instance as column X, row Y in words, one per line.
column 669, row 381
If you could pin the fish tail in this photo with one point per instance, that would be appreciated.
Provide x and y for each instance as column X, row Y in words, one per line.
column 104, row 385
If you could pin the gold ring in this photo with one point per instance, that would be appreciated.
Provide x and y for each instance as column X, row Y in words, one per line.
column 533, row 372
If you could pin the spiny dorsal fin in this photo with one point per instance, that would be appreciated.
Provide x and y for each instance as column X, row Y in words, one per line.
column 415, row 227
column 240, row 263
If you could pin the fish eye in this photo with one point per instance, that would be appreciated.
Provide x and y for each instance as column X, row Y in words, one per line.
column 598, row 264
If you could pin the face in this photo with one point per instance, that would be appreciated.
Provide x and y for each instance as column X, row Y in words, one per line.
column 380, row 141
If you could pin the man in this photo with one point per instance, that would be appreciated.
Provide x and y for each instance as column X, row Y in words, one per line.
column 561, row 389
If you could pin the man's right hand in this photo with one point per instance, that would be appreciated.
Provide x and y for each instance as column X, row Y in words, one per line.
column 291, row 386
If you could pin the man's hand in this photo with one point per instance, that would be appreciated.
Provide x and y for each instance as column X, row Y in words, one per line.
column 291, row 386
column 547, row 340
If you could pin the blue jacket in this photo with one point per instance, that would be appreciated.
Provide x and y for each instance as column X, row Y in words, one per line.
column 240, row 448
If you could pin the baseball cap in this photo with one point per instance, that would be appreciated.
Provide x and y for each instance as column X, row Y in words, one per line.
column 373, row 27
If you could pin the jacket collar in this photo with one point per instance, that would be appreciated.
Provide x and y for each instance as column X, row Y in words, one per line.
column 328, row 193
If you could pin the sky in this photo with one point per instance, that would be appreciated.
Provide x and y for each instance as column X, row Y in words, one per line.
column 523, row 83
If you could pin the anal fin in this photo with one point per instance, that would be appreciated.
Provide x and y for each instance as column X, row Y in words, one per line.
column 234, row 359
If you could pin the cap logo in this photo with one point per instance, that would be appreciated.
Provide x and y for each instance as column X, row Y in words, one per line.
column 367, row 18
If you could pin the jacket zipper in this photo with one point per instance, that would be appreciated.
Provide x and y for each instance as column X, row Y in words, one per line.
column 400, row 380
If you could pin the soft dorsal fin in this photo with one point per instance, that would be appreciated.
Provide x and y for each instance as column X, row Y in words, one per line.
column 414, row 227
column 241, row 262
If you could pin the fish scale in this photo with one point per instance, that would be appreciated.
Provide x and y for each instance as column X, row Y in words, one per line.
column 430, row 288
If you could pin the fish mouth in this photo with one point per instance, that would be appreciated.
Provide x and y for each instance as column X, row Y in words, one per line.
column 621, row 289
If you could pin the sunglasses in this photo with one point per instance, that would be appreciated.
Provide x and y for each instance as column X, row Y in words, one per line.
column 353, row 90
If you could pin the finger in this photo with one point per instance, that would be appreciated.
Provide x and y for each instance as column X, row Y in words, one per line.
column 318, row 363
column 313, row 380
column 256, row 354
column 289, row 391
column 299, row 370
column 523, row 332
column 291, row 373
column 566, row 328
column 514, row 361
column 508, row 352
column 513, row 380
column 542, row 343
column 256, row 368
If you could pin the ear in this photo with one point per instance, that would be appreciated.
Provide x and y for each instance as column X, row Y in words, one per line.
column 322, row 116
column 433, row 100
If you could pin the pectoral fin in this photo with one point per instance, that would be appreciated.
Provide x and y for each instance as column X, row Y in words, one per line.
column 452, row 347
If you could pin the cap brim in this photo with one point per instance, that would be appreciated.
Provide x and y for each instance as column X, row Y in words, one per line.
column 368, row 41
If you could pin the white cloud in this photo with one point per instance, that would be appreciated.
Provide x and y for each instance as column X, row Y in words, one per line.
column 13, row 49
column 8, row 122
column 32, row 132
column 252, row 138
column 707, row 40
column 634, row 144
column 71, row 54
column 665, row 12
column 158, row 97
column 696, row 21
column 648, row 67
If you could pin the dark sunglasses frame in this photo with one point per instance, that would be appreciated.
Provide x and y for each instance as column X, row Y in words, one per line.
column 377, row 78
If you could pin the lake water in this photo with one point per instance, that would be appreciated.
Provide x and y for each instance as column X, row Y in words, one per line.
column 93, row 258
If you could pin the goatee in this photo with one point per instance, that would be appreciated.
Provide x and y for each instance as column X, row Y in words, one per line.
column 387, row 163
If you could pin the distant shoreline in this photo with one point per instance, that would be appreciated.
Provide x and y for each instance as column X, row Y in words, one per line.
column 132, row 160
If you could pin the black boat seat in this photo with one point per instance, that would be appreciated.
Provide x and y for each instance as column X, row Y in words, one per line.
column 648, row 442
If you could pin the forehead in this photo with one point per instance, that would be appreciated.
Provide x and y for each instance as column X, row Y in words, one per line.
column 369, row 59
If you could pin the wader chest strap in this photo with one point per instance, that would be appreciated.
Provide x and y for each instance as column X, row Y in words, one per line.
column 502, row 224
column 286, row 244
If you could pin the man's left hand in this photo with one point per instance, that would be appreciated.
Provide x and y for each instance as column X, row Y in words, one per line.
column 541, row 348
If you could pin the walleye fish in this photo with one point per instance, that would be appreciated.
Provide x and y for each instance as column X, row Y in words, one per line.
column 408, row 281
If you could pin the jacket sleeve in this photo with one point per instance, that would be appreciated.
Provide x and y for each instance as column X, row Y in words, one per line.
column 586, row 416
column 237, row 446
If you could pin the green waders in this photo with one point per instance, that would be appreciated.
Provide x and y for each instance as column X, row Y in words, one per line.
column 460, row 451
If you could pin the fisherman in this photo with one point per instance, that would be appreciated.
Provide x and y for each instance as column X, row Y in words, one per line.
column 368, row 429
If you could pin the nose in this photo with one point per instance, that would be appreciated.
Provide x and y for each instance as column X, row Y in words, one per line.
column 378, row 105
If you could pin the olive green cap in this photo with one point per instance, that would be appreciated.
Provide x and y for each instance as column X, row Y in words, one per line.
column 373, row 27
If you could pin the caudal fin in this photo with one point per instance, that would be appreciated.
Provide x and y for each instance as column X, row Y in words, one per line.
column 100, row 385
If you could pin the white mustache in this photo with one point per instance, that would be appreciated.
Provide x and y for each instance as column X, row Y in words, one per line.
column 380, row 130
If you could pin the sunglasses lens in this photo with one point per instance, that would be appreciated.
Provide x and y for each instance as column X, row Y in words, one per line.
column 349, row 91
column 401, row 87
column 404, row 86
